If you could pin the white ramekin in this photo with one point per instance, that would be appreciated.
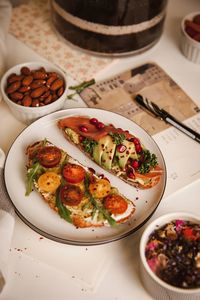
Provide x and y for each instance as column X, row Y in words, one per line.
column 156, row 287
column 189, row 47
column 30, row 114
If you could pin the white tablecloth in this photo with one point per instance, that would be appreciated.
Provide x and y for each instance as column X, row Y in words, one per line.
column 117, row 276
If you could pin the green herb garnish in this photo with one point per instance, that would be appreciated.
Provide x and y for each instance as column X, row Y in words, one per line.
column 96, row 205
column 88, row 145
column 79, row 88
column 45, row 142
column 87, row 183
column 62, row 210
column 149, row 161
column 117, row 138
column 102, row 210
column 32, row 174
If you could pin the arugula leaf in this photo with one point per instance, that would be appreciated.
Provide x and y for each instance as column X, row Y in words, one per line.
column 79, row 88
column 102, row 210
column 106, row 214
column 45, row 142
column 62, row 210
column 117, row 138
column 87, row 183
column 32, row 174
column 98, row 207
column 149, row 161
column 88, row 145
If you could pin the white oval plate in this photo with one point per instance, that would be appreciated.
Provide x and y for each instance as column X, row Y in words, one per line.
column 36, row 213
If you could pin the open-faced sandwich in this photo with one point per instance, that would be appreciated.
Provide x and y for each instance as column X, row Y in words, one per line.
column 74, row 191
column 114, row 149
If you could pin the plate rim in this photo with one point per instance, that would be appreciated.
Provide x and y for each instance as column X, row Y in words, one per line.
column 78, row 242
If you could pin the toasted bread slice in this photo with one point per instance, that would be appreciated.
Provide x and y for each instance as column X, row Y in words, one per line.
column 74, row 191
column 114, row 149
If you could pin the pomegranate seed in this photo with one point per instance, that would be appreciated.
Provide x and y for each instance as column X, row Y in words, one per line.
column 135, row 164
column 130, row 171
column 94, row 121
column 100, row 125
column 101, row 176
column 138, row 148
column 131, row 174
column 131, row 140
column 121, row 148
column 83, row 128
column 91, row 170
column 81, row 138
column 136, row 141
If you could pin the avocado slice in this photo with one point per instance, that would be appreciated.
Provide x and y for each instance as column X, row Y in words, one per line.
column 108, row 153
column 130, row 152
column 97, row 153
column 104, row 151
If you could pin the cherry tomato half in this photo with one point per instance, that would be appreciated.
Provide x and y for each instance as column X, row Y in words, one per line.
column 49, row 156
column 115, row 204
column 71, row 195
column 49, row 181
column 100, row 188
column 73, row 173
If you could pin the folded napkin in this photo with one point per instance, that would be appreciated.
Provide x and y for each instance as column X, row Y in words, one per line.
column 84, row 267
column 6, row 224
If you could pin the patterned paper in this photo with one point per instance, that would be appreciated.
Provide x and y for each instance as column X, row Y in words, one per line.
column 117, row 94
column 31, row 24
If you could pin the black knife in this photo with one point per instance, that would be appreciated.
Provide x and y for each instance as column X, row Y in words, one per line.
column 167, row 117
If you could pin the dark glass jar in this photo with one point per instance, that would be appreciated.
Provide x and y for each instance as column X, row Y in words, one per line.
column 111, row 27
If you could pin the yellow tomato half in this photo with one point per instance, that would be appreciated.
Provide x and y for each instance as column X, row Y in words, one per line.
column 100, row 188
column 49, row 182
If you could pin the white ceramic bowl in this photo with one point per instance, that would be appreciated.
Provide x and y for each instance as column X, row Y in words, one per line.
column 189, row 47
column 30, row 114
column 156, row 287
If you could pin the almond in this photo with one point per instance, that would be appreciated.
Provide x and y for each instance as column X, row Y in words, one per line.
column 39, row 75
column 24, row 89
column 13, row 87
column 48, row 99
column 37, row 83
column 56, row 84
column 27, row 100
column 27, row 80
column 25, row 71
column 45, row 95
column 13, row 77
column 16, row 96
column 42, row 69
column 38, row 92
column 60, row 91
column 52, row 74
column 54, row 97
column 50, row 80
column 35, row 103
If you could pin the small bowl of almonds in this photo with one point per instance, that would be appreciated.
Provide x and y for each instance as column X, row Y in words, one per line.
column 33, row 90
